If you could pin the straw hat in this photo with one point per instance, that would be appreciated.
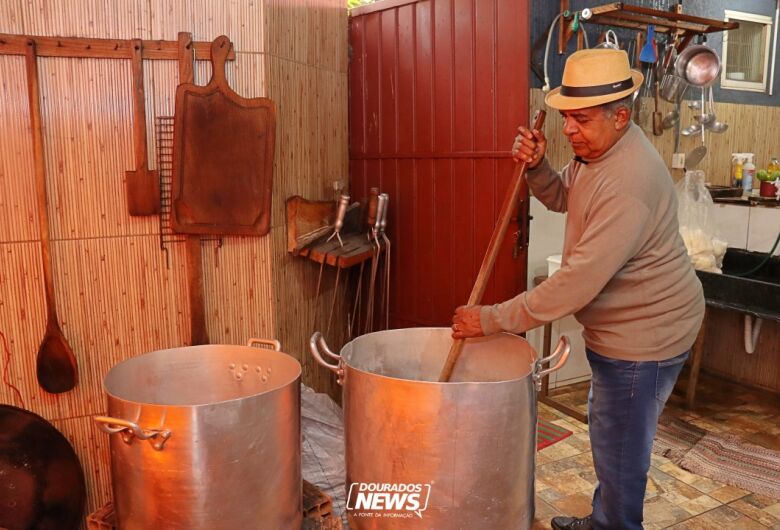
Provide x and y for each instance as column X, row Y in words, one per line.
column 594, row 77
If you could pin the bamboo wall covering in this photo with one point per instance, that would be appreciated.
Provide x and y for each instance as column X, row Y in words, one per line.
column 752, row 129
column 117, row 296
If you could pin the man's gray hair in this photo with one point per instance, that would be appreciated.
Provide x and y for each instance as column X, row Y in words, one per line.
column 612, row 107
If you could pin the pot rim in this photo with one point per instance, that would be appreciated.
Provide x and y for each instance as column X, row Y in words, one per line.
column 294, row 379
column 450, row 384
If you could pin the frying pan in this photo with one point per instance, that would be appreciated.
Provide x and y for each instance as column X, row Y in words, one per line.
column 698, row 65
column 43, row 484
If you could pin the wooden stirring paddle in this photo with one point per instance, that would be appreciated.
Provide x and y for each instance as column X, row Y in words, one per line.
column 510, row 204
column 55, row 364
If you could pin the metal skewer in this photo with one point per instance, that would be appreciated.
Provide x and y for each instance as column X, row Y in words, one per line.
column 353, row 324
column 385, row 299
column 374, row 262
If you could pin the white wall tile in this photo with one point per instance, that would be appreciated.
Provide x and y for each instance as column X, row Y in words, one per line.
column 731, row 223
column 763, row 229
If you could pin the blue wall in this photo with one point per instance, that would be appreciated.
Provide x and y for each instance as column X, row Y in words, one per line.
column 543, row 12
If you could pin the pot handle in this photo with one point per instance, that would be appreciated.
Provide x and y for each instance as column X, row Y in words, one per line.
column 130, row 430
column 561, row 354
column 273, row 343
column 316, row 342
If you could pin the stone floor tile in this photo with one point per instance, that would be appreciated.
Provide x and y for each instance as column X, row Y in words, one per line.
column 657, row 460
column 543, row 514
column 576, row 505
column 701, row 504
column 660, row 513
column 542, row 458
column 722, row 518
column 572, row 425
column 560, row 450
column 702, row 484
column 728, row 517
column 774, row 510
column 761, row 501
column 550, row 495
column 584, row 459
column 580, row 441
column 560, row 466
column 757, row 513
column 671, row 486
column 726, row 494
column 568, row 483
column 695, row 523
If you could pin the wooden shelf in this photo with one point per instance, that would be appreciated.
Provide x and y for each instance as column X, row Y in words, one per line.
column 622, row 15
column 357, row 249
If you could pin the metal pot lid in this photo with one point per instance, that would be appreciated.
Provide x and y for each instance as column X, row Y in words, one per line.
column 41, row 474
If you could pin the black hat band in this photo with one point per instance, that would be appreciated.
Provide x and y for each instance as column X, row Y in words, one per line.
column 599, row 90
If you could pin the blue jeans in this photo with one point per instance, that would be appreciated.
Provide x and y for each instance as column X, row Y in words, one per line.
column 625, row 401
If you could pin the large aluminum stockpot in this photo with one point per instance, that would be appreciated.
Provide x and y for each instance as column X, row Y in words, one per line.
column 207, row 437
column 427, row 455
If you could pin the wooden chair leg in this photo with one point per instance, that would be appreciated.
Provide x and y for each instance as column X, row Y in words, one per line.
column 696, row 355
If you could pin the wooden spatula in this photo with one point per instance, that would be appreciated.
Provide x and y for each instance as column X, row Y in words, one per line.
column 658, row 118
column 499, row 232
column 143, row 184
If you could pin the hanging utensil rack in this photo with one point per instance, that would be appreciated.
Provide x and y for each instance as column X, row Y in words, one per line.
column 87, row 48
column 622, row 15
column 163, row 126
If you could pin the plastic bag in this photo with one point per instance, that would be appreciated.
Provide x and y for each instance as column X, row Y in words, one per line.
column 705, row 248
column 322, row 450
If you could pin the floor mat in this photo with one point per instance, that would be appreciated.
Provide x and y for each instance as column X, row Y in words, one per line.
column 548, row 433
column 722, row 457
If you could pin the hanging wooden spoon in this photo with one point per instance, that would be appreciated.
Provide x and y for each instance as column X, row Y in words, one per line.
column 55, row 364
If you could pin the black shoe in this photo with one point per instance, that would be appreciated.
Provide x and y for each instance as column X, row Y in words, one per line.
column 571, row 523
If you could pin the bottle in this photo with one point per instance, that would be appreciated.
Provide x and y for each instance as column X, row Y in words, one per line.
column 774, row 165
column 736, row 170
column 748, row 174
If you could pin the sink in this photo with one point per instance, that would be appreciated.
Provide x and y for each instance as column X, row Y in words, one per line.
column 757, row 294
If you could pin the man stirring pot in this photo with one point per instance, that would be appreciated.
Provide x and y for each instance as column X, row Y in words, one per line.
column 625, row 276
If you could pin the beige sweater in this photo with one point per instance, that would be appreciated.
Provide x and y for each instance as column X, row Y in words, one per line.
column 625, row 273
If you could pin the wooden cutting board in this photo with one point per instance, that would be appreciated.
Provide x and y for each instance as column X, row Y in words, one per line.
column 222, row 156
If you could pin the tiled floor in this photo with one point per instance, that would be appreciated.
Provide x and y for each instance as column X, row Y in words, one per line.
column 675, row 498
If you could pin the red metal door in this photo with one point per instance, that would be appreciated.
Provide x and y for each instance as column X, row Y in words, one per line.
column 437, row 90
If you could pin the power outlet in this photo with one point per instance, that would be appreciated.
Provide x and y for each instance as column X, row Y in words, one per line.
column 678, row 161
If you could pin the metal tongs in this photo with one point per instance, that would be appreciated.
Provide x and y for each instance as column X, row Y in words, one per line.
column 385, row 299
column 377, row 230
column 340, row 214
column 338, row 224
column 353, row 324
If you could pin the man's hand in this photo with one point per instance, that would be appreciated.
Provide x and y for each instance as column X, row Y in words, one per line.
column 529, row 146
column 465, row 323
